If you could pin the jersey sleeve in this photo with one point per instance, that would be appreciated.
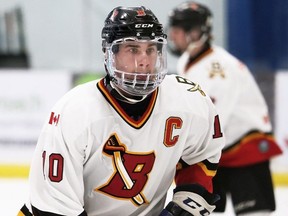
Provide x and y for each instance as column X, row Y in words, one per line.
column 207, row 143
column 56, row 173
column 251, row 139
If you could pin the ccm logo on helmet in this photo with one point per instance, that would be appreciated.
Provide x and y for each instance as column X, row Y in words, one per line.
column 144, row 25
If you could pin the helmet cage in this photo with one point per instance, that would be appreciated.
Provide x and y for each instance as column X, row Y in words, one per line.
column 137, row 83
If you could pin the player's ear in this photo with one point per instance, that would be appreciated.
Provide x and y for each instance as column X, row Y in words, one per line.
column 194, row 34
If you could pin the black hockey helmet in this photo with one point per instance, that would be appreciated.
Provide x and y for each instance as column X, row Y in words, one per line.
column 190, row 15
column 131, row 26
column 137, row 22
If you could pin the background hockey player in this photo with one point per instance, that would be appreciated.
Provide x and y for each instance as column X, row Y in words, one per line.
column 244, row 166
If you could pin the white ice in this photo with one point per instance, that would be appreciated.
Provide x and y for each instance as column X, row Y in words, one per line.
column 14, row 192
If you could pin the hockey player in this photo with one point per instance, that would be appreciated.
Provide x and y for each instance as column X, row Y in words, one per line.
column 113, row 146
column 244, row 166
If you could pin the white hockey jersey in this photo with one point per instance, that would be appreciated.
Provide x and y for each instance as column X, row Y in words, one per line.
column 242, row 109
column 92, row 156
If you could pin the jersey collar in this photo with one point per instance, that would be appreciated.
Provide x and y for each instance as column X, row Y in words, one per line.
column 114, row 103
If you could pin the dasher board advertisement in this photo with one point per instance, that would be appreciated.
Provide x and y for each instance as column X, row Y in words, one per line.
column 26, row 98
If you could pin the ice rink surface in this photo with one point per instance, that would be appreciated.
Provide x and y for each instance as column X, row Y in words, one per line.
column 13, row 193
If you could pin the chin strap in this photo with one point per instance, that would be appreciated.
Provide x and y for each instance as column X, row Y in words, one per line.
column 115, row 92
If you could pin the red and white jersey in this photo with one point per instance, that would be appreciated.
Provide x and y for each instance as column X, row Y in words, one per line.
column 241, row 106
column 91, row 155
